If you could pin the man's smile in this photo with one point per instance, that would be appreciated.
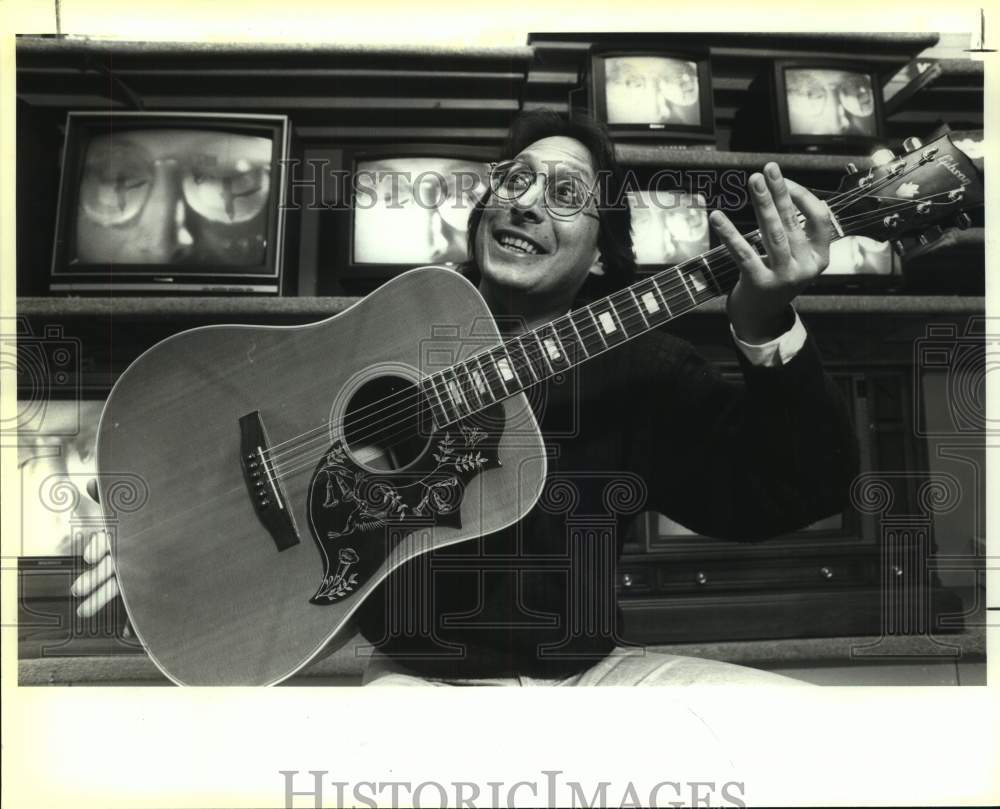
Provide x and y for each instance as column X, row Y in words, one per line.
column 517, row 242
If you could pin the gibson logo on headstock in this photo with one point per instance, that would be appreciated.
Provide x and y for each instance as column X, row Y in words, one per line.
column 951, row 165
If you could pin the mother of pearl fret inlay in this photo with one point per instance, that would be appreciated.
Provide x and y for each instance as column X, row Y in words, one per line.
column 505, row 371
column 698, row 280
column 477, row 380
column 607, row 322
column 455, row 392
column 551, row 348
column 649, row 299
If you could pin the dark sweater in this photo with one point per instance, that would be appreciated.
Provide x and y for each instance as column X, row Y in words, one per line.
column 650, row 425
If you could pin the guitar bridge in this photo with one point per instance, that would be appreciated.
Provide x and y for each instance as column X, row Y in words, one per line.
column 262, row 483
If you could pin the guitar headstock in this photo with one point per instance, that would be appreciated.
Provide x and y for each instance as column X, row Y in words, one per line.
column 930, row 184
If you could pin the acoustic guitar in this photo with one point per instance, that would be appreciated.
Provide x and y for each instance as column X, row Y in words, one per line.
column 258, row 482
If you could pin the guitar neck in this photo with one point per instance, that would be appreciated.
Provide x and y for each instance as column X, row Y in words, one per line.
column 533, row 356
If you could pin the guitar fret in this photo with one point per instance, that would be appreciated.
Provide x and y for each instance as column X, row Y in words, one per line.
column 663, row 299
column 465, row 379
column 684, row 284
column 612, row 330
column 544, row 354
column 711, row 275
column 440, row 406
column 454, row 389
column 506, row 369
column 493, row 378
column 527, row 359
column 642, row 314
column 649, row 302
column 482, row 382
column 569, row 340
column 597, row 325
column 555, row 334
column 579, row 339
column 588, row 331
column 442, row 400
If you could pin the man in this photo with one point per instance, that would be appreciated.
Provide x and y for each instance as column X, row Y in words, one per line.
column 535, row 603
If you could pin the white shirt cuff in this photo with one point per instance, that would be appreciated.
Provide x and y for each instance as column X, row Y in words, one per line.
column 778, row 351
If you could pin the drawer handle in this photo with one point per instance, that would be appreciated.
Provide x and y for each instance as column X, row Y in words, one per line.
column 627, row 579
column 826, row 572
column 700, row 578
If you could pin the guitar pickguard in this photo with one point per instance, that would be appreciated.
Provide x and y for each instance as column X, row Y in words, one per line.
column 348, row 504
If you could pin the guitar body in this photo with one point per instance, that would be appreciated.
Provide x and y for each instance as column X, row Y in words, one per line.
column 237, row 567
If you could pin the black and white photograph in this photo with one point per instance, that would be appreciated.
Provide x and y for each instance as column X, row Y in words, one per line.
column 530, row 459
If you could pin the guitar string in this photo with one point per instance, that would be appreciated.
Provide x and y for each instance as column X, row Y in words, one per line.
column 629, row 321
column 292, row 467
column 672, row 286
column 533, row 353
column 669, row 289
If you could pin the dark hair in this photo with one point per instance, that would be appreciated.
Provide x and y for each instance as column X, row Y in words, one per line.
column 614, row 238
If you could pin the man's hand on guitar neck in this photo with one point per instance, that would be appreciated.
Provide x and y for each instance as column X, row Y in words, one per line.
column 797, row 252
column 96, row 586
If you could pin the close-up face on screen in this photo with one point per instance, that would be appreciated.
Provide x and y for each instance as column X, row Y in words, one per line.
column 668, row 227
column 174, row 196
column 830, row 102
column 414, row 210
column 652, row 90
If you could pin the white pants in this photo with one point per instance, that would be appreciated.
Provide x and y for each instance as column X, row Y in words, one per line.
column 623, row 666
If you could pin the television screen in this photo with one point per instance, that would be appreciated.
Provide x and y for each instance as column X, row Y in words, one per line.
column 414, row 210
column 652, row 90
column 55, row 461
column 824, row 101
column 158, row 198
column 860, row 255
column 174, row 196
column 668, row 227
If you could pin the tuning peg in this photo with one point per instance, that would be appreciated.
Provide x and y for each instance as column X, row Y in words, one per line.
column 912, row 144
column 924, row 241
column 851, row 168
column 963, row 220
column 882, row 156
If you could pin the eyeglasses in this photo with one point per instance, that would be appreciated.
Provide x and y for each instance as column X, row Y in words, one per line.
column 117, row 182
column 566, row 194
column 852, row 93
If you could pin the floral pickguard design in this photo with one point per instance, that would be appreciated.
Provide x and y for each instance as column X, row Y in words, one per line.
column 346, row 501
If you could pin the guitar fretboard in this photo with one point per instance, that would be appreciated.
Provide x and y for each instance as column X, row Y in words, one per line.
column 518, row 363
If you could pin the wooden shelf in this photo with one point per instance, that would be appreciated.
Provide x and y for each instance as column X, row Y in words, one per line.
column 201, row 308
column 664, row 156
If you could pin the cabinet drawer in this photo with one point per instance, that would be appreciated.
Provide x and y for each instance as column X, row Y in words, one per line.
column 763, row 574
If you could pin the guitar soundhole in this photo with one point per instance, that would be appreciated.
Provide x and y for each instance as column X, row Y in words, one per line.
column 387, row 424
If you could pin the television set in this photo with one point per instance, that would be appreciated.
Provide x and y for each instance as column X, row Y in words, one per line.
column 410, row 206
column 827, row 106
column 654, row 94
column 171, row 202
column 668, row 227
column 860, row 264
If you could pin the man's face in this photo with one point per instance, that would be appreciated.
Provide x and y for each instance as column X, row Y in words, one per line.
column 559, row 253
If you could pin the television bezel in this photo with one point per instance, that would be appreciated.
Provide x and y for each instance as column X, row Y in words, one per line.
column 379, row 271
column 786, row 140
column 166, row 278
column 680, row 133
